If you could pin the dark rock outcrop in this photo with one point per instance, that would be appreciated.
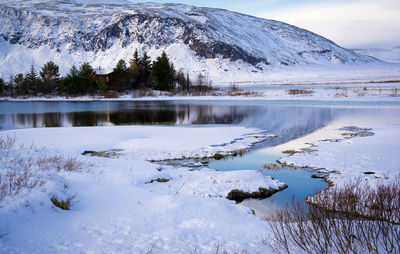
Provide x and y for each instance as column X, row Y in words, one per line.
column 262, row 193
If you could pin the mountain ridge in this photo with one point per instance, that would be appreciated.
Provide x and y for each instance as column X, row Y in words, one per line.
column 196, row 38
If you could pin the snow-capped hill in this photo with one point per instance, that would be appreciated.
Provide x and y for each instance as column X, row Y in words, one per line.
column 391, row 55
column 197, row 39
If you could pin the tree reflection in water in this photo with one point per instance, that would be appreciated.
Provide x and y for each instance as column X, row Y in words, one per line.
column 290, row 120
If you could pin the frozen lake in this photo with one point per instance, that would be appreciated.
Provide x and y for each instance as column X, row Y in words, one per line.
column 286, row 119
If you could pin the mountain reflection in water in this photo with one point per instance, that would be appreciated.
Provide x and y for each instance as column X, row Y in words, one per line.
column 290, row 120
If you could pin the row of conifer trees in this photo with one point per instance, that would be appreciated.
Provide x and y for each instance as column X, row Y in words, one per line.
column 141, row 73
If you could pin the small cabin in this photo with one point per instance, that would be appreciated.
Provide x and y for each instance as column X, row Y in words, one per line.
column 113, row 82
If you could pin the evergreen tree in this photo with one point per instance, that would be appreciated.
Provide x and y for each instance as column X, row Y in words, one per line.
column 19, row 83
column 71, row 81
column 2, row 86
column 31, row 82
column 31, row 75
column 145, row 62
column 188, row 82
column 145, row 71
column 163, row 72
column 102, row 85
column 134, row 70
column 87, row 81
column 86, row 71
column 50, row 72
column 121, row 66
column 181, row 80
column 73, row 72
column 50, row 75
column 121, row 71
column 134, row 62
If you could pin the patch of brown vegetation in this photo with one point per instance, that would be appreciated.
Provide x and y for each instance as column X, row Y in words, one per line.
column 300, row 91
column 290, row 152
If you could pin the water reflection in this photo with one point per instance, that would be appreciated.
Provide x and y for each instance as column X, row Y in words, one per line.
column 288, row 120
column 181, row 114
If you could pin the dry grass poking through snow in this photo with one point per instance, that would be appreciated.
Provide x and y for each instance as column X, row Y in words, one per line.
column 60, row 163
column 21, row 167
column 354, row 219
column 218, row 249
column 300, row 91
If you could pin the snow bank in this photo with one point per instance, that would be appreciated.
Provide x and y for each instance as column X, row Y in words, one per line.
column 374, row 157
column 210, row 183
column 143, row 142
column 117, row 208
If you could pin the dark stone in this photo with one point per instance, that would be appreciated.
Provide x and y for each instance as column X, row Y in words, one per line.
column 88, row 152
column 318, row 176
column 159, row 180
column 237, row 195
column 218, row 156
column 262, row 193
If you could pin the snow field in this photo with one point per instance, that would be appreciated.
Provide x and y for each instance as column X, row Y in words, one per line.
column 143, row 142
column 115, row 208
column 350, row 158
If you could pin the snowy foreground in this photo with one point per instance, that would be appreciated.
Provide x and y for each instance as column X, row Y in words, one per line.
column 114, row 206
column 372, row 153
column 123, row 204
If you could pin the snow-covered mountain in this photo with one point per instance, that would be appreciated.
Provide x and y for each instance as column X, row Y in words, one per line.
column 215, row 41
column 391, row 55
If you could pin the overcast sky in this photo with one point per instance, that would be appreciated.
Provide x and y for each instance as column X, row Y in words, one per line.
column 350, row 23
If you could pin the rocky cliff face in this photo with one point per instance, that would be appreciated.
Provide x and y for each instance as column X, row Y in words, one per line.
column 196, row 38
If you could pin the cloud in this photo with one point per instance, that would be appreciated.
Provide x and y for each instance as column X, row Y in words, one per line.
column 358, row 23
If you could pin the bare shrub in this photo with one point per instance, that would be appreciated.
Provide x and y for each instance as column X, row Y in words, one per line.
column 355, row 219
column 239, row 92
column 360, row 92
column 219, row 249
column 381, row 202
column 195, row 90
column 72, row 164
column 6, row 145
column 394, row 92
column 342, row 92
column 111, row 95
column 60, row 163
column 16, row 173
column 20, row 168
column 299, row 91
column 145, row 93
column 13, row 181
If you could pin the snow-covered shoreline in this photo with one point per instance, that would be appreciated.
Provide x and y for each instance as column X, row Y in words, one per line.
column 143, row 142
column 349, row 155
column 128, row 204
column 310, row 93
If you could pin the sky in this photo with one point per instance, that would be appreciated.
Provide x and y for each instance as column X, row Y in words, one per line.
column 349, row 23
